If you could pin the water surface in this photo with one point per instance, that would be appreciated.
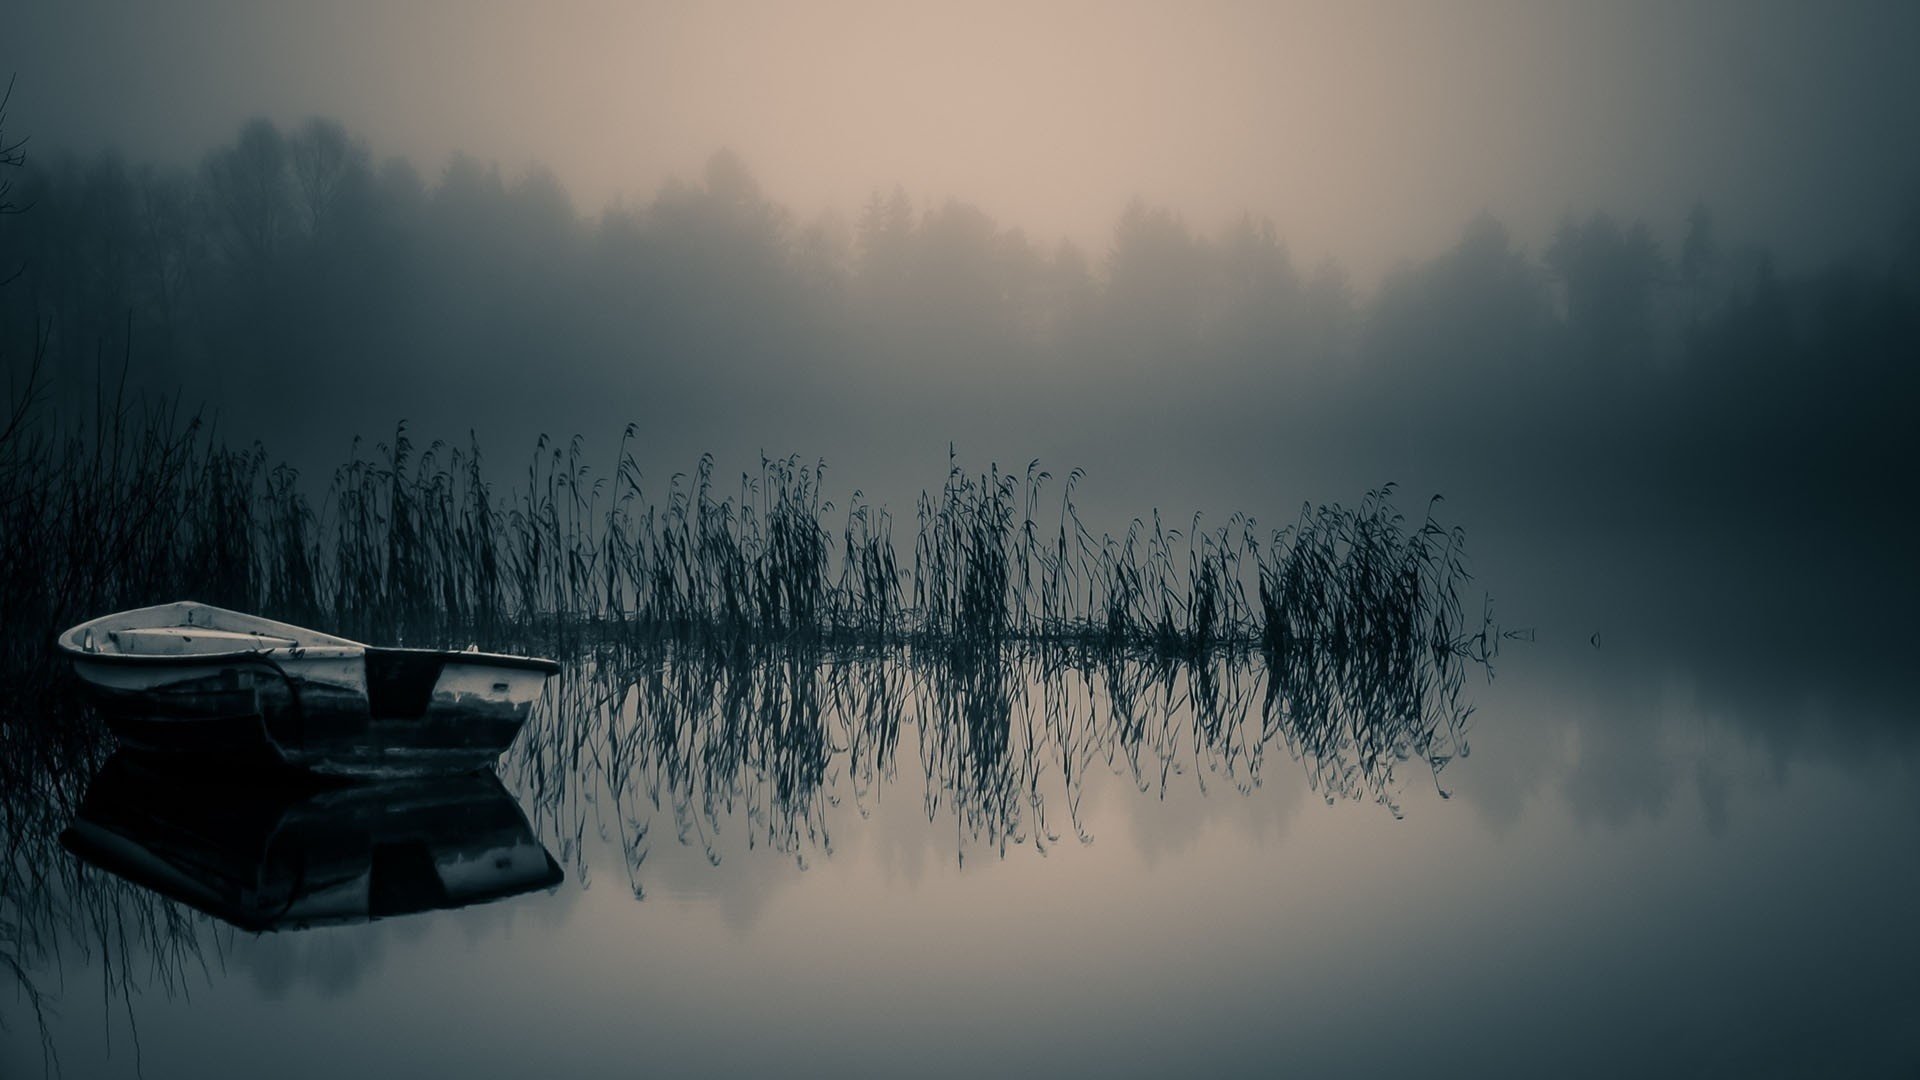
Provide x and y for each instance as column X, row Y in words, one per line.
column 1652, row 846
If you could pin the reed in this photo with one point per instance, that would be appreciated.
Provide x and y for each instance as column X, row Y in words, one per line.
column 737, row 652
column 415, row 543
column 1353, row 616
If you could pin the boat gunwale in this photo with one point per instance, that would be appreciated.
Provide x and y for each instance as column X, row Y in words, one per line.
column 474, row 656
column 331, row 647
column 215, row 659
column 303, row 652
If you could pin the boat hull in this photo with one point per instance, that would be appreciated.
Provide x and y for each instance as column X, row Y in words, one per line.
column 332, row 707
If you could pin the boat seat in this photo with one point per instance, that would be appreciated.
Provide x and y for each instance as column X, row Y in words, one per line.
column 188, row 641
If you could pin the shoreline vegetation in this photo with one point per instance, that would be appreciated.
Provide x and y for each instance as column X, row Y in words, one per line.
column 741, row 648
column 1348, row 622
column 748, row 646
column 413, row 542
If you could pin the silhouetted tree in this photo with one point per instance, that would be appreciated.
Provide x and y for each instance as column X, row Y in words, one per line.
column 1156, row 279
column 1329, row 313
column 823, row 259
column 1481, row 307
column 171, row 251
column 1609, row 274
column 956, row 278
column 13, row 157
column 331, row 177
column 249, row 190
column 1699, row 256
column 1066, row 297
column 284, row 254
column 1255, row 297
column 886, row 245
column 1906, row 254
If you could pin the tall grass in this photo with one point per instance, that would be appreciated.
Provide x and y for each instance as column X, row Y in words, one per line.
column 414, row 543
column 1352, row 616
column 737, row 645
column 743, row 655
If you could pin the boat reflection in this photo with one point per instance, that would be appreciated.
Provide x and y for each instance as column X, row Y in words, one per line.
column 297, row 854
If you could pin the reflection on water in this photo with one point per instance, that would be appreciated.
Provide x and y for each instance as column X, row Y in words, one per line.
column 1002, row 738
column 290, row 854
column 906, row 781
column 153, row 849
column 759, row 742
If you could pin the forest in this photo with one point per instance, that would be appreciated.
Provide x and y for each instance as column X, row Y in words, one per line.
column 294, row 289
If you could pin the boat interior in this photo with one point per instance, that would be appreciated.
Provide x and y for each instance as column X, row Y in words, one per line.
column 185, row 641
column 191, row 629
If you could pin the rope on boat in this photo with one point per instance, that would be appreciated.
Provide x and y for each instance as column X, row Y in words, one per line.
column 293, row 694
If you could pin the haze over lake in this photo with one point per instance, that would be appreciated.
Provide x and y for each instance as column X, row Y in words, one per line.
column 1081, row 539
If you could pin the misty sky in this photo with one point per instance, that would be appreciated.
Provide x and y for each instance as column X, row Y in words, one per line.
column 1369, row 132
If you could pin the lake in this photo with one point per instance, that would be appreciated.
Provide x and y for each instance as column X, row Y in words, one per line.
column 1668, row 838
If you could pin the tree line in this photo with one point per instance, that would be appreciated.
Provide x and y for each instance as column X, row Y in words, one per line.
column 292, row 251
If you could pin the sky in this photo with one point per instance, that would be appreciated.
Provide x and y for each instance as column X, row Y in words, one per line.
column 1366, row 131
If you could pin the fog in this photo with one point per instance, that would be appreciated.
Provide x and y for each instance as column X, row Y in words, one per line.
column 1634, row 287
column 1630, row 293
column 1368, row 132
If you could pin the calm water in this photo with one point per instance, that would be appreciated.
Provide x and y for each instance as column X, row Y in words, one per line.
column 1671, row 839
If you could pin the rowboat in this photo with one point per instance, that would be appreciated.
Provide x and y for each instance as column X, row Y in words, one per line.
column 193, row 679
column 286, row 856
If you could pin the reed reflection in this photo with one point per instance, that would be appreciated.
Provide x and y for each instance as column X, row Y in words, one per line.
column 761, row 741
column 53, row 906
column 151, row 852
column 746, row 677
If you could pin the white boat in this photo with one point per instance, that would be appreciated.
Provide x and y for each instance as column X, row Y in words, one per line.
column 190, row 678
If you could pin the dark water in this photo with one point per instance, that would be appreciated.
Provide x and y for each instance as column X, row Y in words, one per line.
column 1673, row 837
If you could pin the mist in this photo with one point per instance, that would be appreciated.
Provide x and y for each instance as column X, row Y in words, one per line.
column 296, row 288
column 1368, row 132
column 915, row 437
